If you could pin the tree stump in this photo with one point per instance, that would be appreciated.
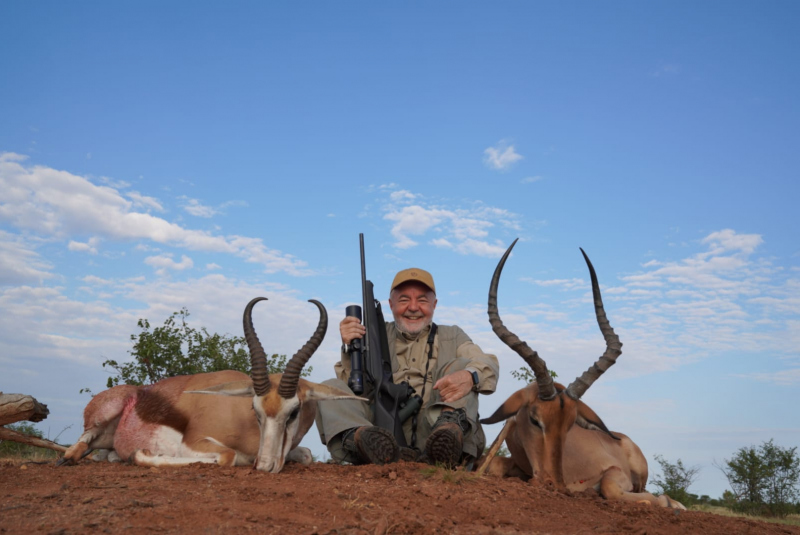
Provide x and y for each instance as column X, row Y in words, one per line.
column 18, row 407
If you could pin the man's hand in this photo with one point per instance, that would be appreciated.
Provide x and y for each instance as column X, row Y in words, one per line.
column 350, row 329
column 454, row 386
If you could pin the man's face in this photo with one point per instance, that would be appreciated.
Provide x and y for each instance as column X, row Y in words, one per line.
column 412, row 305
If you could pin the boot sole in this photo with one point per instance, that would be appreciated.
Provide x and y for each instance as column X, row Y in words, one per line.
column 444, row 447
column 378, row 446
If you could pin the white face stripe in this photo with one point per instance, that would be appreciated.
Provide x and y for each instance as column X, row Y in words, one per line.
column 277, row 433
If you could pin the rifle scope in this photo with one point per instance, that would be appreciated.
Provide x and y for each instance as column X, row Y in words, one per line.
column 356, row 380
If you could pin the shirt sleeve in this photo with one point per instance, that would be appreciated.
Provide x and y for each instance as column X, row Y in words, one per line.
column 485, row 364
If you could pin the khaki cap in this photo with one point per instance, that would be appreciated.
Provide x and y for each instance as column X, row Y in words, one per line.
column 414, row 274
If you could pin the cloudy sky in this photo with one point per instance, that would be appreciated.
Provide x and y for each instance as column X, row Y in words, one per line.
column 155, row 156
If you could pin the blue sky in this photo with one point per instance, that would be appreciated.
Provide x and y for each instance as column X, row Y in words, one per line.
column 160, row 156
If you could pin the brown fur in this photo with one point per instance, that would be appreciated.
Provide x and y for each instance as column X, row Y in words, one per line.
column 571, row 457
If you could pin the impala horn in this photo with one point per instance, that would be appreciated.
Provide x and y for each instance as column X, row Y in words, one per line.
column 547, row 389
column 580, row 385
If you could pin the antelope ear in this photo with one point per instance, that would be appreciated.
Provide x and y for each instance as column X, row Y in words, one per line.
column 512, row 405
column 235, row 388
column 308, row 391
column 588, row 419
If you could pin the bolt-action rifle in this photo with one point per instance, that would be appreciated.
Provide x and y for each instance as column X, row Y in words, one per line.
column 371, row 365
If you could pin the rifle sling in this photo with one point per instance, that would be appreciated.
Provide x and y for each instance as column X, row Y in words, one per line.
column 431, row 337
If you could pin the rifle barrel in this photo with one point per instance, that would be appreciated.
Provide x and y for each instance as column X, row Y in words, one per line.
column 365, row 345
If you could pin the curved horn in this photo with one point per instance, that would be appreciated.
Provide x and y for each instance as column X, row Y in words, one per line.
column 547, row 390
column 580, row 385
column 291, row 376
column 258, row 358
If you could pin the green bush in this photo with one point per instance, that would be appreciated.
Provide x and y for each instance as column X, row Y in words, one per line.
column 9, row 448
column 178, row 349
column 675, row 481
column 764, row 480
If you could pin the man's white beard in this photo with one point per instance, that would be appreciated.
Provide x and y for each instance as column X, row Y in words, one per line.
column 402, row 326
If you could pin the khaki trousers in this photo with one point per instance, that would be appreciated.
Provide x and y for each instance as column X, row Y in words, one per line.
column 336, row 417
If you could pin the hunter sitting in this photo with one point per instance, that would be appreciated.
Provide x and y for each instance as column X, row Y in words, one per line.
column 443, row 366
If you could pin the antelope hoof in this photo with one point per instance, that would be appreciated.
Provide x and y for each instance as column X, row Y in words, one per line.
column 63, row 461
column 669, row 503
column 73, row 454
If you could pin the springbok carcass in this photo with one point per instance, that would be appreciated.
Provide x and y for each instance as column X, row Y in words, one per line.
column 222, row 417
column 541, row 432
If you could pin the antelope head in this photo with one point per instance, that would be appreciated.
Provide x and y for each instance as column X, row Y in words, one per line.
column 285, row 410
column 545, row 411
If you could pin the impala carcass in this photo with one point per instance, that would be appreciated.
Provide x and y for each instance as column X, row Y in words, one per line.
column 555, row 437
column 222, row 417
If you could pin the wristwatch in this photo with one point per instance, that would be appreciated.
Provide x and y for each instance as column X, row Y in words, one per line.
column 475, row 380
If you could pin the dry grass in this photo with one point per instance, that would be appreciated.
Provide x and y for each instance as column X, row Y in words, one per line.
column 447, row 475
column 791, row 520
column 37, row 455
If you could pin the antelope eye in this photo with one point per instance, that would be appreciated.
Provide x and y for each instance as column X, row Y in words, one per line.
column 534, row 421
column 294, row 414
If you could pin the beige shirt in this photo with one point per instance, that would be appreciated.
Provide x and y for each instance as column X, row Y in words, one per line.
column 411, row 352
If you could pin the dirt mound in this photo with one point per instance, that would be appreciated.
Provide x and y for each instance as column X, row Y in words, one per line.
column 322, row 498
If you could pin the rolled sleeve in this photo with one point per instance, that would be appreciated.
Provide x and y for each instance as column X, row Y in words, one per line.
column 485, row 364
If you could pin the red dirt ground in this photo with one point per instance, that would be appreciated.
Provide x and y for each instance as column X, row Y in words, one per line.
column 321, row 498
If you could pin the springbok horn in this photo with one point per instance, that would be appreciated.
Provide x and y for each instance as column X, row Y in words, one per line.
column 580, row 385
column 547, row 389
column 291, row 376
column 258, row 358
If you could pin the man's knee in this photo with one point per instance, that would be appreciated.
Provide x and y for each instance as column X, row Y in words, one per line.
column 337, row 383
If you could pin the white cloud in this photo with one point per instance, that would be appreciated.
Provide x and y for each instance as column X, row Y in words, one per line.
column 566, row 284
column 12, row 157
column 402, row 196
column 95, row 280
column 501, row 157
column 213, row 267
column 143, row 201
column 729, row 240
column 20, row 263
column 88, row 247
column 464, row 230
column 195, row 208
column 164, row 262
column 531, row 179
column 116, row 184
column 414, row 221
column 781, row 378
column 57, row 204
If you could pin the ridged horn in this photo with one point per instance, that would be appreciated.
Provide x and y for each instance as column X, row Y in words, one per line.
column 547, row 389
column 580, row 385
column 258, row 358
column 291, row 376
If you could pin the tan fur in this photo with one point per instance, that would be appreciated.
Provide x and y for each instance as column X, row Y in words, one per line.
column 272, row 403
column 569, row 456
column 213, row 426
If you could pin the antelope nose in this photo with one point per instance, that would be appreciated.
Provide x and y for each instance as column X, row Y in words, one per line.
column 269, row 466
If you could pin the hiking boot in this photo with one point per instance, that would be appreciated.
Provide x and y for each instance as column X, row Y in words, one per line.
column 371, row 444
column 447, row 438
